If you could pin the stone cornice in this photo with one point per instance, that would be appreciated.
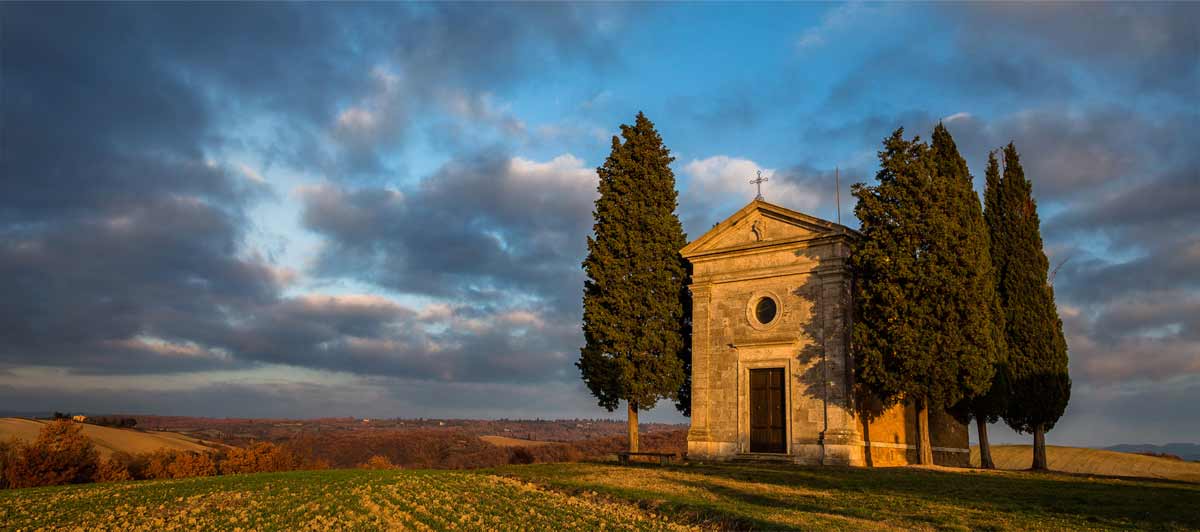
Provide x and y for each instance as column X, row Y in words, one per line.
column 830, row 268
column 769, row 246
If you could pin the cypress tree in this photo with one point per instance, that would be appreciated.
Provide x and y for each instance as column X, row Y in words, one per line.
column 635, row 296
column 987, row 407
column 1038, row 378
column 919, row 292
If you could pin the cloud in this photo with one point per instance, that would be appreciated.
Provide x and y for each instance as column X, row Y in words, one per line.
column 718, row 186
column 89, row 292
column 125, row 231
column 479, row 228
column 835, row 20
column 367, row 334
column 1143, row 47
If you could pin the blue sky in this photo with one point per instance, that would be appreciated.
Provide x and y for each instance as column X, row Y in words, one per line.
column 380, row 209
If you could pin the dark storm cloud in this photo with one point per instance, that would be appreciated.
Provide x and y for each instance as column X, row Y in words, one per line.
column 906, row 72
column 124, row 243
column 1146, row 46
column 1011, row 51
column 371, row 335
column 481, row 228
column 82, row 292
column 373, row 397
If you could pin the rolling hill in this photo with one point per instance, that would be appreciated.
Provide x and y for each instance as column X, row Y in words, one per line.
column 1093, row 462
column 109, row 439
column 1186, row 451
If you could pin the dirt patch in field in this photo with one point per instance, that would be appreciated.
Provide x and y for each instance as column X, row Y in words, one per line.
column 505, row 441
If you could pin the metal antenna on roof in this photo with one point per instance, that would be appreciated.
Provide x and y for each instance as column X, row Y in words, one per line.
column 759, row 182
column 837, row 177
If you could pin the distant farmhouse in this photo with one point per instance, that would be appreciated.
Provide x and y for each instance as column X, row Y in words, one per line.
column 772, row 367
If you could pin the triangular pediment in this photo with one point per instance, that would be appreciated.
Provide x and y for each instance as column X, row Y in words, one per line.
column 762, row 223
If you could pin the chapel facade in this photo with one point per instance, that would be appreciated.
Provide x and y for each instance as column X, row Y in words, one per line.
column 772, row 366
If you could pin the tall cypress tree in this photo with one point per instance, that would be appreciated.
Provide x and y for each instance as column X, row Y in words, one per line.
column 987, row 407
column 635, row 296
column 919, row 294
column 1040, row 384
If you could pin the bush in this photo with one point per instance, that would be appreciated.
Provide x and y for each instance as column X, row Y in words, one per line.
column 261, row 457
column 61, row 454
column 192, row 464
column 112, row 470
column 520, row 455
column 7, row 452
column 157, row 464
column 378, row 462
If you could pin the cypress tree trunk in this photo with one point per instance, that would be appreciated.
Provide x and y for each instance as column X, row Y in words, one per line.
column 633, row 427
column 1039, row 448
column 924, row 447
column 985, row 449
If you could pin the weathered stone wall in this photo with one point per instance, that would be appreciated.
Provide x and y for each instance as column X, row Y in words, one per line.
column 800, row 262
column 891, row 438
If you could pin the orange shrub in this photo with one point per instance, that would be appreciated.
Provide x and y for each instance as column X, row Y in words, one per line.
column 111, row 470
column 260, row 457
column 157, row 464
column 61, row 454
column 378, row 462
column 192, row 464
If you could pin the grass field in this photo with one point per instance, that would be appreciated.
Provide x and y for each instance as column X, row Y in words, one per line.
column 319, row 500
column 1094, row 462
column 592, row 496
column 108, row 439
column 832, row 498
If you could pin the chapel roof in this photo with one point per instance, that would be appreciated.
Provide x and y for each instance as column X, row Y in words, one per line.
column 811, row 226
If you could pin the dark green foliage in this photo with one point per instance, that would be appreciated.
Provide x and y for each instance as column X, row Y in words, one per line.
column 924, row 298
column 990, row 405
column 634, row 302
column 1040, row 385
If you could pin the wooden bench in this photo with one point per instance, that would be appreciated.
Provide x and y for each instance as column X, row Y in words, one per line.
column 663, row 458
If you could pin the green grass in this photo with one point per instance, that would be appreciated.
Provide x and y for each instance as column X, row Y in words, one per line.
column 833, row 498
column 318, row 500
column 592, row 496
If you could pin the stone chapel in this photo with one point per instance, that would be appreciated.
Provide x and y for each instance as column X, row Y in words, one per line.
column 772, row 366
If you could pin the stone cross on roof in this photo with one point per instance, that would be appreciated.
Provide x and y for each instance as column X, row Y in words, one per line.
column 759, row 181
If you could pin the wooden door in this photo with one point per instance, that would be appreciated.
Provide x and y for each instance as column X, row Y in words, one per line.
column 767, row 432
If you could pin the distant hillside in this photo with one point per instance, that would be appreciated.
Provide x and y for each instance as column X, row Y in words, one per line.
column 1093, row 462
column 1186, row 451
column 108, row 439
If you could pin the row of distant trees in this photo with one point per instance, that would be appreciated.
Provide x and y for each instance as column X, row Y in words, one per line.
column 952, row 304
column 953, row 308
column 104, row 421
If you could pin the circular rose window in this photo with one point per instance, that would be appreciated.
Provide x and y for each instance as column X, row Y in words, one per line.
column 765, row 310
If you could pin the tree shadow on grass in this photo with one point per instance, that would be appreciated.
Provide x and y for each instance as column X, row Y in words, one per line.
column 746, row 504
column 1097, row 502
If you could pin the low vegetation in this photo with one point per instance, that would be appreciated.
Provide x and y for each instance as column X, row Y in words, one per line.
column 833, row 498
column 321, row 500
column 595, row 496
